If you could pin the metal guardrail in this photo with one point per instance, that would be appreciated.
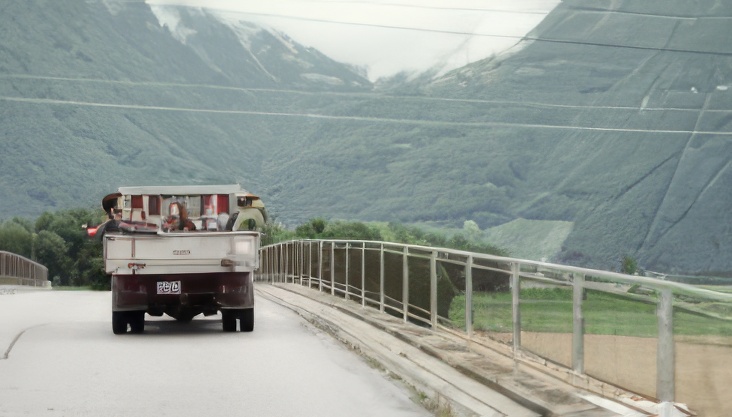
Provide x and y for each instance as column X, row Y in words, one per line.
column 586, row 313
column 18, row 270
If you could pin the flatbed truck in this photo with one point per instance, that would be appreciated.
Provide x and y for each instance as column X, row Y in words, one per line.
column 182, row 251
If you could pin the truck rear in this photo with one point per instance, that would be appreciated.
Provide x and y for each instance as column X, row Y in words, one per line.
column 178, row 251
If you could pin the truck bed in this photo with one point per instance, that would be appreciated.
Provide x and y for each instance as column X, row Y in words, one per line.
column 181, row 252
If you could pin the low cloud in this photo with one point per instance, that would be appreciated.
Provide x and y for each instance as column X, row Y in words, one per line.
column 388, row 38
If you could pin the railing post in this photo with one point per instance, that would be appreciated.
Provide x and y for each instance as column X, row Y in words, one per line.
column 295, row 258
column 381, row 278
column 405, row 283
column 283, row 263
column 302, row 262
column 320, row 265
column 295, row 261
column 288, row 255
column 332, row 267
column 347, row 296
column 269, row 265
column 310, row 264
column 363, row 274
column 515, row 306
column 433, row 289
column 280, row 264
column 258, row 274
column 300, row 257
column 469, row 296
column 665, row 355
column 578, row 326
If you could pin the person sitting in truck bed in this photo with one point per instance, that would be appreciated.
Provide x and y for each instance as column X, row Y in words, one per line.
column 222, row 220
column 178, row 218
column 114, row 217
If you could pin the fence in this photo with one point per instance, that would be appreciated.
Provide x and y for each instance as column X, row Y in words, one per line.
column 664, row 340
column 17, row 270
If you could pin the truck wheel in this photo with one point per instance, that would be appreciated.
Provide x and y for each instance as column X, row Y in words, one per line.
column 119, row 322
column 185, row 316
column 137, row 321
column 246, row 319
column 228, row 320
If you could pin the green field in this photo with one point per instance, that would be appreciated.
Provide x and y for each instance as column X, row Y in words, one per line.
column 550, row 310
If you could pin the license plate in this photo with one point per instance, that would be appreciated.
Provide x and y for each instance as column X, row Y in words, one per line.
column 169, row 287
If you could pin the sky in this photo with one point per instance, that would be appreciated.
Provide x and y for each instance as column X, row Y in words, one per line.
column 386, row 37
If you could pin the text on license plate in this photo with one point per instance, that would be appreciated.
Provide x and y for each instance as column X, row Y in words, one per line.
column 168, row 287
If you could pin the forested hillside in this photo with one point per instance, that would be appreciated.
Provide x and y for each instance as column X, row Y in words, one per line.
column 645, row 169
column 604, row 134
column 94, row 95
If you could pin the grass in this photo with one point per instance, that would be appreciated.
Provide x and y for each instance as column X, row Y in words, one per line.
column 436, row 405
column 72, row 288
column 727, row 289
column 549, row 310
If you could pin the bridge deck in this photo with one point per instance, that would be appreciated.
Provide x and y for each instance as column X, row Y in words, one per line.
column 475, row 378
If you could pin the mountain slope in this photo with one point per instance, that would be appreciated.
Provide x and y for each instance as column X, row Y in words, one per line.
column 652, row 180
column 607, row 134
column 100, row 94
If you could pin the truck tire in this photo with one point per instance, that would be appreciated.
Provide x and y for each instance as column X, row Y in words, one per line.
column 137, row 321
column 228, row 320
column 246, row 319
column 119, row 322
column 185, row 316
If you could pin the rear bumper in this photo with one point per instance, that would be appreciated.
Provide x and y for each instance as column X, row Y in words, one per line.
column 213, row 291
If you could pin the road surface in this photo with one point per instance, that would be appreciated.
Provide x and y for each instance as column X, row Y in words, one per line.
column 58, row 357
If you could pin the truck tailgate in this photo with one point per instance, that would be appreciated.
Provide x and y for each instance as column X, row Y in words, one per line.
column 180, row 253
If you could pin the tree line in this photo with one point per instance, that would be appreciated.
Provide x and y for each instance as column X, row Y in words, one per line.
column 319, row 228
column 59, row 241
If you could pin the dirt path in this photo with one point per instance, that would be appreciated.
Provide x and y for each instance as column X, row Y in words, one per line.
column 703, row 366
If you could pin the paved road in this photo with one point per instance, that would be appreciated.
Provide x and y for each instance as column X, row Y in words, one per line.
column 67, row 362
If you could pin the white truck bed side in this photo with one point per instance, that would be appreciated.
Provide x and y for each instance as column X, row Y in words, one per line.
column 181, row 252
